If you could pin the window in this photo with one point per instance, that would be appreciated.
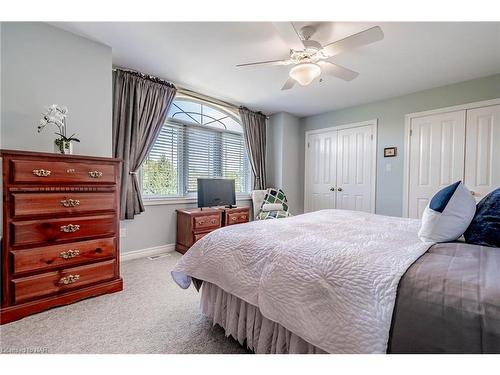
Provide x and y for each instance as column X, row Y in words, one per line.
column 197, row 140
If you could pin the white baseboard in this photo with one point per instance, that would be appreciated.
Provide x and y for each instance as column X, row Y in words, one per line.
column 150, row 251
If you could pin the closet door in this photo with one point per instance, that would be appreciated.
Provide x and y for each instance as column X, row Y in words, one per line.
column 355, row 171
column 321, row 167
column 482, row 150
column 436, row 156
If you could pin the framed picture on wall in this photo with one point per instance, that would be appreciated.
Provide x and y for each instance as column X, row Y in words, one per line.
column 390, row 152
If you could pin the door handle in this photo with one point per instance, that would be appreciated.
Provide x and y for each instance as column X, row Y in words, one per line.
column 332, row 189
column 339, row 189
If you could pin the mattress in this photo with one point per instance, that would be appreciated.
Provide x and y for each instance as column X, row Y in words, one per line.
column 327, row 271
column 448, row 302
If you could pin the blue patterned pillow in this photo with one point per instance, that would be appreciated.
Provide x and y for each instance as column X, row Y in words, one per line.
column 485, row 226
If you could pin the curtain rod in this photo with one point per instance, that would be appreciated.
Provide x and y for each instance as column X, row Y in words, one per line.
column 187, row 92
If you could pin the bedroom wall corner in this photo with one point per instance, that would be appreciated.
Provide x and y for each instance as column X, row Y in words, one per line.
column 283, row 157
column 274, row 151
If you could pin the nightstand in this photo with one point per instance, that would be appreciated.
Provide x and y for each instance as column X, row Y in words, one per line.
column 194, row 224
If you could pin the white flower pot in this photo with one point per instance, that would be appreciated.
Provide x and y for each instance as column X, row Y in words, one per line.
column 62, row 147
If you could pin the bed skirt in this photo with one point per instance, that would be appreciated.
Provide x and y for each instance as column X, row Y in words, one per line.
column 245, row 323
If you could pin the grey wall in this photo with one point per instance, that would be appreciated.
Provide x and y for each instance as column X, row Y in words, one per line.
column 284, row 155
column 42, row 65
column 390, row 114
column 274, row 150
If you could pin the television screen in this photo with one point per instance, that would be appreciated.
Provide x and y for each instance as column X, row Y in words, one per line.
column 214, row 192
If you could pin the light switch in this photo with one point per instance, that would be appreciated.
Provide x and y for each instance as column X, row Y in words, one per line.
column 388, row 167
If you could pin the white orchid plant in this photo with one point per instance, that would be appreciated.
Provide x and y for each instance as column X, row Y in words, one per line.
column 55, row 115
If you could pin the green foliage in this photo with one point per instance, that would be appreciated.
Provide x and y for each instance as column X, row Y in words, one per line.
column 238, row 180
column 159, row 177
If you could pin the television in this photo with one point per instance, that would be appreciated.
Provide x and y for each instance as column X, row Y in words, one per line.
column 214, row 192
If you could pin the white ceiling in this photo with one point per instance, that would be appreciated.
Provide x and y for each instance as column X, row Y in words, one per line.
column 201, row 56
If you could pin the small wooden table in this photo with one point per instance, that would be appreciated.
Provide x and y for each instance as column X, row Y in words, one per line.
column 194, row 224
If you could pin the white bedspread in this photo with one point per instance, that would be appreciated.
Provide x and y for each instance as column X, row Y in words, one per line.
column 330, row 276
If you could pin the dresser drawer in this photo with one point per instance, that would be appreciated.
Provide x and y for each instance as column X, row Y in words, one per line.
column 42, row 232
column 199, row 236
column 236, row 218
column 209, row 221
column 27, row 288
column 43, row 258
column 25, row 204
column 33, row 171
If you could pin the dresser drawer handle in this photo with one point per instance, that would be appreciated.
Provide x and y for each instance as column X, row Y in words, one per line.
column 70, row 279
column 234, row 218
column 202, row 222
column 41, row 172
column 70, row 228
column 95, row 174
column 243, row 217
column 70, row 202
column 69, row 254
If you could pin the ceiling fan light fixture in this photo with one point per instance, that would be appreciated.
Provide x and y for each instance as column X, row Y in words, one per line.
column 305, row 73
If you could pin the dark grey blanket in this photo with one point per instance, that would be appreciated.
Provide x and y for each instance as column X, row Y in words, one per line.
column 449, row 302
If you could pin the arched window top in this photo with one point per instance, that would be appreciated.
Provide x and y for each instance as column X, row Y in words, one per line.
column 195, row 112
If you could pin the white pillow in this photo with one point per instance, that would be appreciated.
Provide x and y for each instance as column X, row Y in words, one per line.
column 448, row 214
column 272, row 207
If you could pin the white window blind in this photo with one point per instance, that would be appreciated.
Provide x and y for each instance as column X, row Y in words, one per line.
column 162, row 168
column 235, row 162
column 203, row 155
column 183, row 153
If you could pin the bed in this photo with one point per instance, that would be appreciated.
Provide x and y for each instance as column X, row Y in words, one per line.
column 338, row 281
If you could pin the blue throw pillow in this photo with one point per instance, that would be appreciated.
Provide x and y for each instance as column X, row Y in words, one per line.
column 448, row 214
column 485, row 226
column 442, row 197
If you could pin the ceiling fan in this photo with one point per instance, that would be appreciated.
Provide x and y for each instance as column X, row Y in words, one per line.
column 309, row 57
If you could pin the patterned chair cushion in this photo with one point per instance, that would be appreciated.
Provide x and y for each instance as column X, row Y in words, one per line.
column 274, row 196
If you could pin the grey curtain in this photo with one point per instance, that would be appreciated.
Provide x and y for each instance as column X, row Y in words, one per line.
column 140, row 106
column 254, row 129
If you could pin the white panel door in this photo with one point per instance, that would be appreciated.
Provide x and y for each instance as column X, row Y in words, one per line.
column 355, row 171
column 482, row 150
column 436, row 156
column 321, row 171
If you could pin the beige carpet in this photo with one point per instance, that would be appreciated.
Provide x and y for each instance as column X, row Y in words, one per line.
column 151, row 315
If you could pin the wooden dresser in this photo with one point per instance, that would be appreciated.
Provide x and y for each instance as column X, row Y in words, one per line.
column 194, row 224
column 60, row 230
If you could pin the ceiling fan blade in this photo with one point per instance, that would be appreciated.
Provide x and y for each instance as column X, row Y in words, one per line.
column 290, row 82
column 270, row 62
column 337, row 71
column 362, row 38
column 289, row 34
